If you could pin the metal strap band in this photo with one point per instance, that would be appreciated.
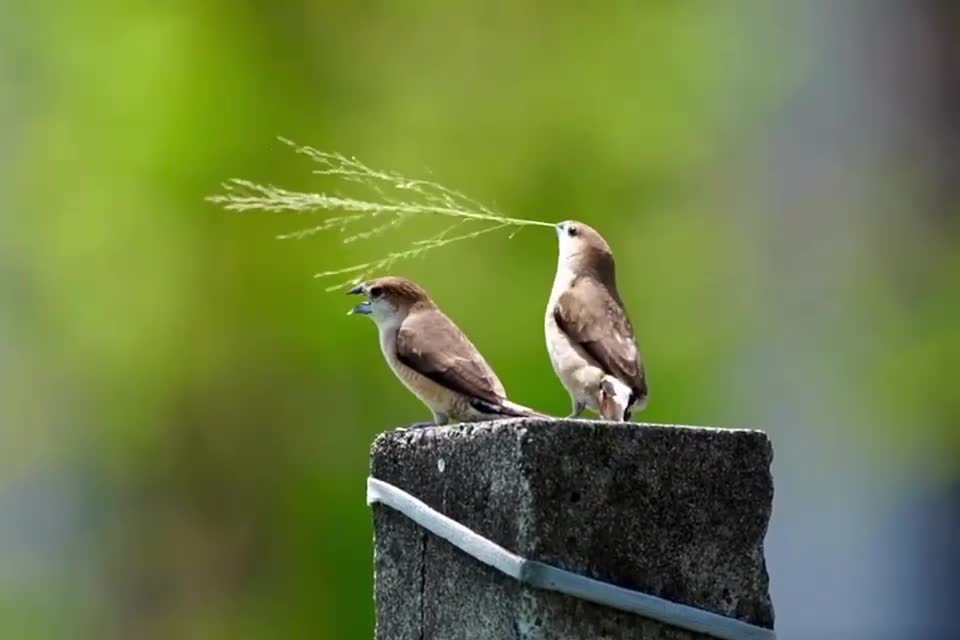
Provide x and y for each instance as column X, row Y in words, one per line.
column 544, row 576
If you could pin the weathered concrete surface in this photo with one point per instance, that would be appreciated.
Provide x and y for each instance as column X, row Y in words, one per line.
column 677, row 512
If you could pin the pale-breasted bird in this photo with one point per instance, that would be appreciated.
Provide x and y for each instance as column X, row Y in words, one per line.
column 431, row 356
column 589, row 336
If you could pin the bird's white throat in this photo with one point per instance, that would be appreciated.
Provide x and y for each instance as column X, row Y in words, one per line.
column 562, row 281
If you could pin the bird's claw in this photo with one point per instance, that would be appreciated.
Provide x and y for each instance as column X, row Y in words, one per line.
column 578, row 409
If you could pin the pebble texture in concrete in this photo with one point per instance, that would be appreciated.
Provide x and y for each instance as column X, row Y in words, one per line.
column 676, row 512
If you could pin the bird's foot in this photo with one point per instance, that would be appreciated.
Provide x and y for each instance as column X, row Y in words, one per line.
column 578, row 409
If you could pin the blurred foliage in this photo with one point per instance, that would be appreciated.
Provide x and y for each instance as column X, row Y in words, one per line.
column 196, row 412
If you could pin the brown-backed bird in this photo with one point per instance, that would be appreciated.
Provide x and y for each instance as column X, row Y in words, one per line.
column 589, row 336
column 431, row 356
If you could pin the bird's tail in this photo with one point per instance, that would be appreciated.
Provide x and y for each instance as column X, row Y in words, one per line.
column 615, row 399
column 505, row 409
column 514, row 410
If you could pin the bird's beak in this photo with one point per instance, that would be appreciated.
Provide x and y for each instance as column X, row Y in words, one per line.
column 362, row 309
column 559, row 226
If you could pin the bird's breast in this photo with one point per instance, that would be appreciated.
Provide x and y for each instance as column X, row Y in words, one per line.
column 562, row 281
column 577, row 371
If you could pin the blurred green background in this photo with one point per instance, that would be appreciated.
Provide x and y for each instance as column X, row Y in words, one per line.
column 185, row 414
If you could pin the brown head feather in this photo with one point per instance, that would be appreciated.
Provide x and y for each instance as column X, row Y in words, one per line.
column 400, row 291
column 590, row 253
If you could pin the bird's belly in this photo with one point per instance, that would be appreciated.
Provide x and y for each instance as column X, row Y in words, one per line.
column 577, row 372
column 430, row 393
column 439, row 399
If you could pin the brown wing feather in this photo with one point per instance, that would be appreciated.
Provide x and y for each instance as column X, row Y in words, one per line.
column 595, row 319
column 429, row 343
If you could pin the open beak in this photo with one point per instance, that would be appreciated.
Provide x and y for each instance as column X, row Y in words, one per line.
column 362, row 309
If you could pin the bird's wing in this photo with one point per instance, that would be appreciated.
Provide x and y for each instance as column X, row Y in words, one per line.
column 428, row 342
column 594, row 318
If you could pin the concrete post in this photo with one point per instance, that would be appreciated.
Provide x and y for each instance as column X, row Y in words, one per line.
column 676, row 512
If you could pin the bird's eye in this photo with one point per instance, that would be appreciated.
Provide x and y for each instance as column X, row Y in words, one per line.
column 375, row 292
column 571, row 231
